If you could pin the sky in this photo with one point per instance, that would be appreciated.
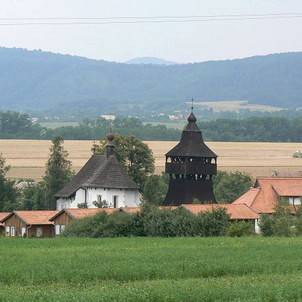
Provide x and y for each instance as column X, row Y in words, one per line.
column 179, row 42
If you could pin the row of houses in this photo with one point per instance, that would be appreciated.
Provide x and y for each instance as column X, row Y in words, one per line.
column 263, row 198
column 51, row 223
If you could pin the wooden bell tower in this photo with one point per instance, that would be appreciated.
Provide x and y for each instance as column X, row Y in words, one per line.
column 191, row 165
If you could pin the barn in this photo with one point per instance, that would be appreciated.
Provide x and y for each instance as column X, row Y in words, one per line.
column 66, row 216
column 29, row 224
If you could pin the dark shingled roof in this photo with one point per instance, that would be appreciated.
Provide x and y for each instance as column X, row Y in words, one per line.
column 191, row 142
column 99, row 172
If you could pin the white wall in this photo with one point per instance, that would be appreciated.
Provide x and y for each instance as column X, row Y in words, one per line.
column 125, row 198
column 257, row 226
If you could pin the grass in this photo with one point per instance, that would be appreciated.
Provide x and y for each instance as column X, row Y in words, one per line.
column 28, row 157
column 151, row 269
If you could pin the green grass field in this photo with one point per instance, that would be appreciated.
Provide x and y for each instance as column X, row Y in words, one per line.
column 151, row 269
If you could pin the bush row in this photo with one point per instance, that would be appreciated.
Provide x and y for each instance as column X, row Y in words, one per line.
column 153, row 221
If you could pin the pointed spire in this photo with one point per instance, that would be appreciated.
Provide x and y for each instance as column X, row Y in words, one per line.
column 192, row 118
column 110, row 144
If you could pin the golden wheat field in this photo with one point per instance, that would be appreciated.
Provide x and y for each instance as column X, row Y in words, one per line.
column 28, row 157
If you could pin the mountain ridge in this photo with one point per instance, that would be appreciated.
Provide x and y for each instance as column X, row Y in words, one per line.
column 37, row 80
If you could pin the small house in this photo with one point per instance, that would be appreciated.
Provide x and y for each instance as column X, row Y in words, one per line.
column 66, row 216
column 29, row 224
column 3, row 215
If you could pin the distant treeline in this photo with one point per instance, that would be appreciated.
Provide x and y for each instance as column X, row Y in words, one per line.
column 14, row 125
column 254, row 129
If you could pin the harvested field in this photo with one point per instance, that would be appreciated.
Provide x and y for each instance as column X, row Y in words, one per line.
column 28, row 157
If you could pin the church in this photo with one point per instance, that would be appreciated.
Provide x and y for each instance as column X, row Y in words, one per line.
column 102, row 180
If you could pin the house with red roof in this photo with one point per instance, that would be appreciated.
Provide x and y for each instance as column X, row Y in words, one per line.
column 269, row 192
column 2, row 226
column 29, row 224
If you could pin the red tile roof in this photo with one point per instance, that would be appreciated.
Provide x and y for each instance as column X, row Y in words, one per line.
column 82, row 213
column 3, row 215
column 236, row 211
column 264, row 197
column 33, row 217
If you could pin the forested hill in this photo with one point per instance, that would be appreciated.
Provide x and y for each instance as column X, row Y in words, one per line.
column 35, row 80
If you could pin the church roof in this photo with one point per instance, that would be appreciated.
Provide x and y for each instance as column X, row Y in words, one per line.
column 191, row 142
column 99, row 172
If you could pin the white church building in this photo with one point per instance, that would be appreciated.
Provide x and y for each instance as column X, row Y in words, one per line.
column 102, row 180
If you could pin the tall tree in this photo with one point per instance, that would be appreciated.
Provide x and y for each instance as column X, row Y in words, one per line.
column 229, row 186
column 135, row 155
column 155, row 189
column 58, row 171
column 8, row 192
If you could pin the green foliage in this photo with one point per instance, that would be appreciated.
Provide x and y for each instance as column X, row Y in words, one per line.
column 214, row 223
column 254, row 129
column 155, row 189
column 152, row 221
column 281, row 223
column 229, row 186
column 135, row 155
column 18, row 125
column 58, row 171
column 8, row 192
column 286, row 127
column 33, row 197
column 240, row 228
column 87, row 227
column 266, row 225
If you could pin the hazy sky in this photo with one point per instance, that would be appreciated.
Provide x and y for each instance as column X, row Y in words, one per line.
column 181, row 42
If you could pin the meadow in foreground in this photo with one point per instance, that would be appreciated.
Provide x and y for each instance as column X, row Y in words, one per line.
column 151, row 269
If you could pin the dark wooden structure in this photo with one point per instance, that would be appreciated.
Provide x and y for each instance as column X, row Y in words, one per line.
column 191, row 165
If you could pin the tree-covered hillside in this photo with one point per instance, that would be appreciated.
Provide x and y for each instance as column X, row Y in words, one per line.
column 40, row 81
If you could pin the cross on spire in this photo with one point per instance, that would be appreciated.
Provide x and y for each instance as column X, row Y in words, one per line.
column 192, row 105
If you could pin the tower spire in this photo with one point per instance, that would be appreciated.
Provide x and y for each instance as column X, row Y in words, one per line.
column 192, row 105
column 110, row 144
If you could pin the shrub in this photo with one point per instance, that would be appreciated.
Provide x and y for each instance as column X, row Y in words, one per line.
column 87, row 227
column 212, row 223
column 281, row 223
column 118, row 224
column 240, row 228
column 152, row 221
column 266, row 225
